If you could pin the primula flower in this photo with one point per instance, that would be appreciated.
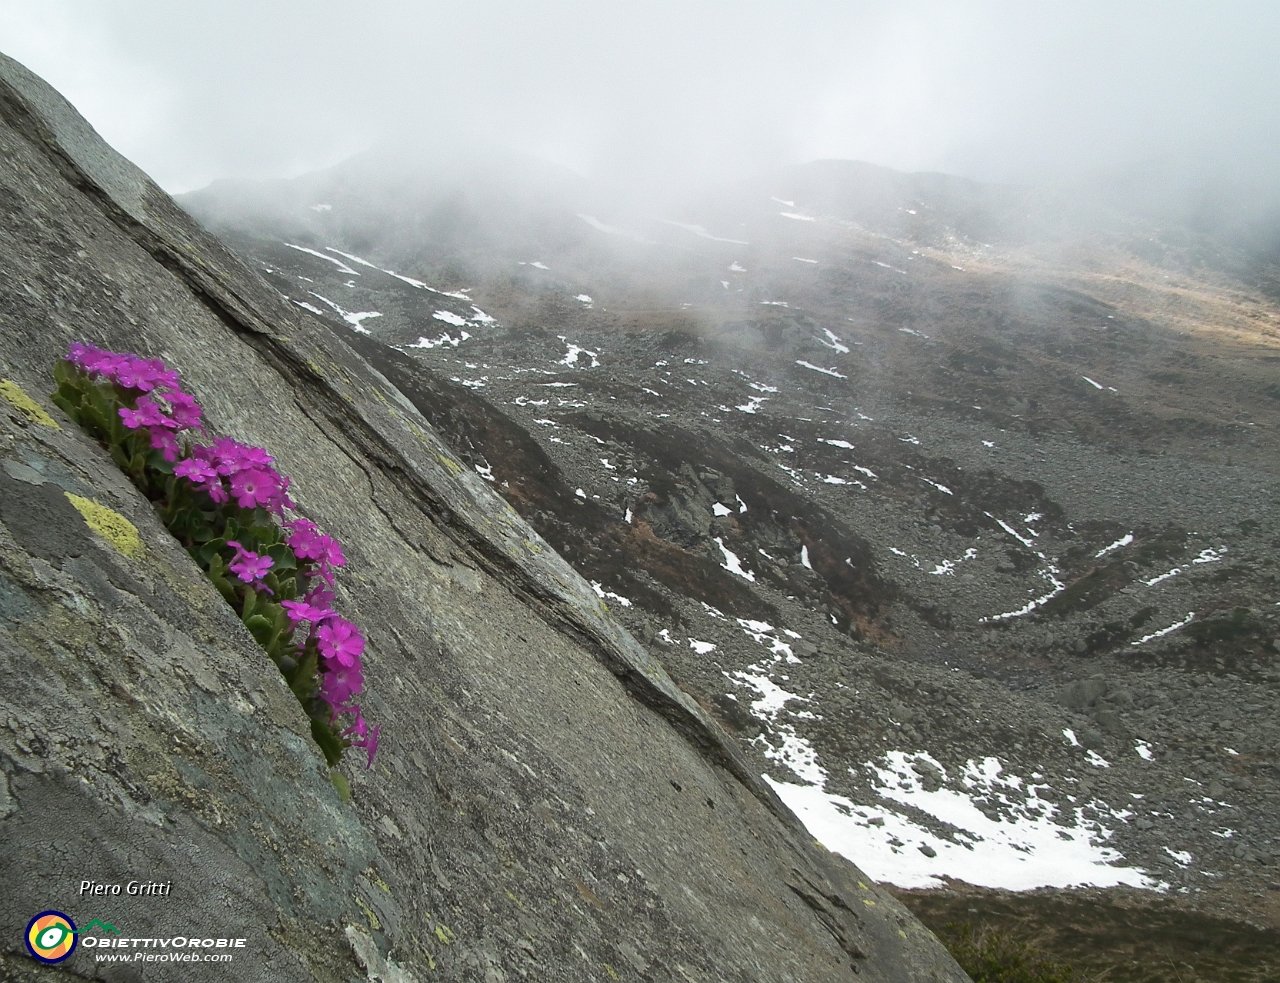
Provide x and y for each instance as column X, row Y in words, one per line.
column 232, row 456
column 148, row 414
column 339, row 685
column 303, row 611
column 185, row 410
column 368, row 739
column 196, row 471
column 331, row 552
column 304, row 539
column 163, row 410
column 97, row 362
column 85, row 356
column 340, row 641
column 145, row 374
column 257, row 486
column 319, row 597
column 165, row 442
column 248, row 565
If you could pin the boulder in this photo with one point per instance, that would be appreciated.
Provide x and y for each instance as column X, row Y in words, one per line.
column 1084, row 692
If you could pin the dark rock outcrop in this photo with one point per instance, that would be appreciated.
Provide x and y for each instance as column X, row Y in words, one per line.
column 547, row 804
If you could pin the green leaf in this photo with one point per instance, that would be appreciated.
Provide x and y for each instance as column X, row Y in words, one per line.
column 283, row 557
column 261, row 629
column 68, row 406
column 303, row 679
column 341, row 784
column 330, row 743
column 226, row 589
column 250, row 603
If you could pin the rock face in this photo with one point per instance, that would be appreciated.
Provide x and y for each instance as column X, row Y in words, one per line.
column 547, row 803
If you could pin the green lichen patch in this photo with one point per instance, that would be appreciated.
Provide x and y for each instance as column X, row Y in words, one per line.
column 25, row 405
column 110, row 525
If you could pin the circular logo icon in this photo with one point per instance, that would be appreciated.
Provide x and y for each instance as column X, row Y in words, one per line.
column 51, row 936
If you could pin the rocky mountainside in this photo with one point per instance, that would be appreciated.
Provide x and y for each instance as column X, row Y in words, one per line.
column 547, row 802
column 956, row 505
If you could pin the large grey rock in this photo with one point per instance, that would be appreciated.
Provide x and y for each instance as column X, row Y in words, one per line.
column 548, row 804
column 1084, row 692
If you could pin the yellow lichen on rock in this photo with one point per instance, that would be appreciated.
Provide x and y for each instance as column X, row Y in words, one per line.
column 110, row 525
column 32, row 410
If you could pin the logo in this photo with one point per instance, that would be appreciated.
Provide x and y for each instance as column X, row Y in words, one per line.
column 51, row 936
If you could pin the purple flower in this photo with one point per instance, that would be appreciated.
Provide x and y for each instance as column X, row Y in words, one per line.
column 217, row 492
column 340, row 641
column 196, row 471
column 304, row 539
column 331, row 552
column 84, row 356
column 340, row 684
column 145, row 374
column 248, row 565
column 257, row 486
column 303, row 611
column 185, row 410
column 319, row 597
column 368, row 739
column 231, row 456
column 97, row 362
column 283, row 501
column 325, row 550
column 148, row 414
column 165, row 442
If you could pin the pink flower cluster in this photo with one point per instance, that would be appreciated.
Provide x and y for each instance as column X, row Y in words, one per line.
column 249, row 477
column 308, row 543
column 339, row 641
column 227, row 470
column 160, row 406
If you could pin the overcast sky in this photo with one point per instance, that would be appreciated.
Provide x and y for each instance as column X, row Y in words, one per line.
column 668, row 91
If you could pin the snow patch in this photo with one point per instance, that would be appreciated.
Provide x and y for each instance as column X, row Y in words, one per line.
column 353, row 318
column 602, row 594
column 444, row 339
column 698, row 230
column 1024, row 843
column 817, row 368
column 833, row 342
column 448, row 317
column 1165, row 631
column 342, row 267
column 731, row 561
column 571, row 356
column 1124, row 540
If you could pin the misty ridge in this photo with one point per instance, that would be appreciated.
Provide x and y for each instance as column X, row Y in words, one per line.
column 465, row 208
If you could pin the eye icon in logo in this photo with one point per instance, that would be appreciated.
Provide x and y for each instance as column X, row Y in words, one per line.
column 51, row 936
